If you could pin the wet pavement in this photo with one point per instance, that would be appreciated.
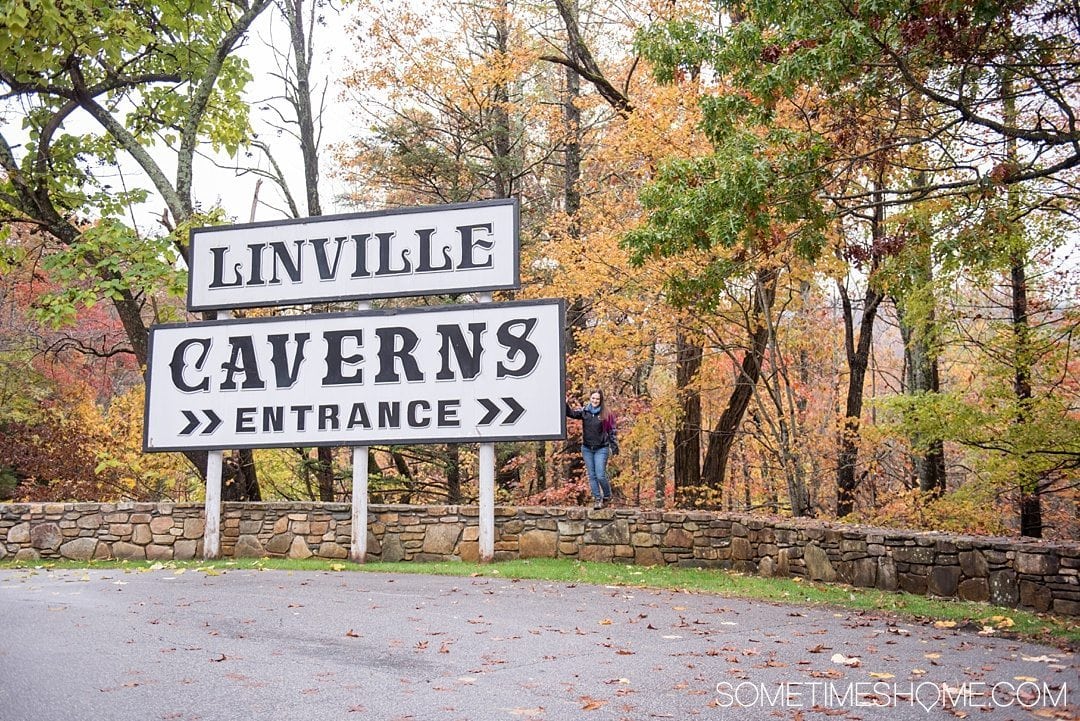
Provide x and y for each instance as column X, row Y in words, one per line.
column 176, row 645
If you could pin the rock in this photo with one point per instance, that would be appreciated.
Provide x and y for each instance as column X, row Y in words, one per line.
column 440, row 538
column 741, row 549
column 818, row 566
column 27, row 554
column 393, row 551
column 1037, row 564
column 1036, row 596
column 81, row 549
column 247, row 546
column 681, row 538
column 128, row 551
column 539, row 544
column 602, row 554
column 279, row 545
column 571, row 528
column 161, row 524
column 1003, row 588
column 194, row 528
column 19, row 533
column 864, row 572
column 648, row 556
column 766, row 567
column 912, row 583
column 887, row 579
column 919, row 554
column 973, row 564
column 944, row 580
column 142, row 535
column 468, row 551
column 184, row 550
column 155, row 552
column 299, row 548
column 608, row 534
column 973, row 589
column 1066, row 607
column 46, row 536
column 783, row 563
column 329, row 549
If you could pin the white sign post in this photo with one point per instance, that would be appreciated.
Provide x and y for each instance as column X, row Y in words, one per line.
column 432, row 375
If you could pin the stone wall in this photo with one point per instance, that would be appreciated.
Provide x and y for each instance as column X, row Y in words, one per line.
column 1033, row 575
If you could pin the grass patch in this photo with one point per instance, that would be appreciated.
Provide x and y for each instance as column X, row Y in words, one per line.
column 942, row 612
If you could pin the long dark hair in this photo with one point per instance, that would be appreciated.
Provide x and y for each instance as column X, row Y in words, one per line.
column 607, row 418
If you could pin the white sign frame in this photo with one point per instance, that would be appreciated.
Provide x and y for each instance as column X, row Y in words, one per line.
column 425, row 250
column 493, row 402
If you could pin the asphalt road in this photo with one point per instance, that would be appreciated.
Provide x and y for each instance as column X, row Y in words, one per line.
column 109, row 645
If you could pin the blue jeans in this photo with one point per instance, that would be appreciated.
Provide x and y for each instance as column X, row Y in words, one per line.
column 596, row 467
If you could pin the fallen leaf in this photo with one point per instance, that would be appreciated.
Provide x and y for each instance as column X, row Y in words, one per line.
column 845, row 660
column 592, row 704
column 881, row 675
column 352, row 634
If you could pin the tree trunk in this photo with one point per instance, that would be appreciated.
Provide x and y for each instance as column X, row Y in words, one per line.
column 453, row 474
column 922, row 376
column 1030, row 501
column 688, row 357
column 325, row 473
column 858, row 360
column 576, row 308
column 722, row 437
column 660, row 480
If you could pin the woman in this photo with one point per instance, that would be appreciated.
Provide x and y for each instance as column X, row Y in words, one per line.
column 598, row 440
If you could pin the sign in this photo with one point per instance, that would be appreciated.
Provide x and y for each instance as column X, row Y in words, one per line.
column 486, row 372
column 434, row 250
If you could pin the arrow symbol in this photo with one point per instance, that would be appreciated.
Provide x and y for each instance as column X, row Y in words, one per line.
column 194, row 422
column 215, row 421
column 493, row 411
column 516, row 411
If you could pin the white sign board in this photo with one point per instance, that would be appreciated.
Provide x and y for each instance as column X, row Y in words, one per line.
column 434, row 250
column 483, row 373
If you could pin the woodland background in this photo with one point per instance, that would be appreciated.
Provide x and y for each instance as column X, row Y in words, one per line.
column 821, row 256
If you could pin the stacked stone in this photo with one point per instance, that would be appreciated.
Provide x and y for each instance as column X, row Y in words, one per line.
column 286, row 530
column 1009, row 572
column 87, row 531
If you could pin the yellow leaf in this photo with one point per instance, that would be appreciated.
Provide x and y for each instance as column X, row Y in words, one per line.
column 944, row 624
column 881, row 675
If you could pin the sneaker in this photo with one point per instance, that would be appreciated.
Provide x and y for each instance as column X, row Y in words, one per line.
column 598, row 505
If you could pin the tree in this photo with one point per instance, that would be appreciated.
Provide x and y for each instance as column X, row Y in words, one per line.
column 845, row 112
column 149, row 77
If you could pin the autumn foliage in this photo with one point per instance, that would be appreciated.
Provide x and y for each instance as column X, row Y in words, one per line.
column 821, row 257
